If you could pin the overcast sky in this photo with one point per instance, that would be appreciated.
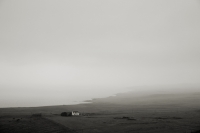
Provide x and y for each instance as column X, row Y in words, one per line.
column 54, row 45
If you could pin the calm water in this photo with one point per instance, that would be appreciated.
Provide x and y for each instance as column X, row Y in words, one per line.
column 28, row 97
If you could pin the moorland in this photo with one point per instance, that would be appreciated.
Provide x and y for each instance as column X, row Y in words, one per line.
column 125, row 112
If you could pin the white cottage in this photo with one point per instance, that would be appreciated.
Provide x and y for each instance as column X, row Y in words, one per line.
column 75, row 113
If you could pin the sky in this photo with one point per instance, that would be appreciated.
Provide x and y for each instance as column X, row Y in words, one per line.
column 58, row 51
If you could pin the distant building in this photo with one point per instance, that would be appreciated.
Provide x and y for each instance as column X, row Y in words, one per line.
column 72, row 113
column 75, row 113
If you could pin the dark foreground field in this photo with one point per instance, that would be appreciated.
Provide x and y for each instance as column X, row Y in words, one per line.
column 28, row 124
column 163, row 113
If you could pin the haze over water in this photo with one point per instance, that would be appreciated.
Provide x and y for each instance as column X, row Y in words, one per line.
column 60, row 52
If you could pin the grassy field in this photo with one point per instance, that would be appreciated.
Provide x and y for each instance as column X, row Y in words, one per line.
column 28, row 124
column 177, row 113
column 165, row 122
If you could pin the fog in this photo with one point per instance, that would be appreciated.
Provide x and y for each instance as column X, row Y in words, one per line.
column 63, row 52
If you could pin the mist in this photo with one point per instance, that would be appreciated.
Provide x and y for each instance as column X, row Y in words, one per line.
column 64, row 52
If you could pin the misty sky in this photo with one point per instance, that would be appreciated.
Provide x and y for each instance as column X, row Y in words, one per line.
column 54, row 49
